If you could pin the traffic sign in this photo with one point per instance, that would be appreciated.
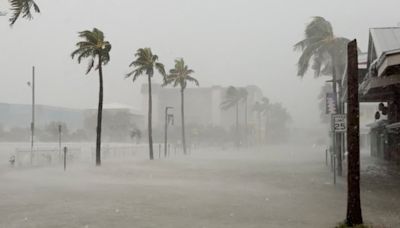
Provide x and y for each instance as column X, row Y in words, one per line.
column 339, row 122
column 330, row 102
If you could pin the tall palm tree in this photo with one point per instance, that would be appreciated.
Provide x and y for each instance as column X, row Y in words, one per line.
column 243, row 93
column 181, row 75
column 232, row 99
column 265, row 108
column 145, row 63
column 329, row 55
column 96, row 48
column 22, row 8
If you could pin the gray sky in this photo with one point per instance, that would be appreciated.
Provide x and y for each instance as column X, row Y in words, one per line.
column 227, row 42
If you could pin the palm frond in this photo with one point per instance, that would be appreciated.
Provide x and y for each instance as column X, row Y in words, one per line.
column 90, row 66
column 22, row 8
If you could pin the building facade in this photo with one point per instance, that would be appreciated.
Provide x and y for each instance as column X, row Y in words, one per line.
column 202, row 105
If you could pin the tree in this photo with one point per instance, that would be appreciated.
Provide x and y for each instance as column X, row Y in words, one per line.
column 232, row 99
column 51, row 130
column 22, row 8
column 265, row 108
column 145, row 63
column 243, row 93
column 136, row 133
column 278, row 119
column 329, row 55
column 95, row 47
column 181, row 75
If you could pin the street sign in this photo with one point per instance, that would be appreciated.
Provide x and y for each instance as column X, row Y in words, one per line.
column 339, row 123
column 330, row 102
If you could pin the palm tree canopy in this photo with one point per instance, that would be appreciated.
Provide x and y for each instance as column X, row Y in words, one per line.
column 257, row 107
column 180, row 75
column 261, row 107
column 145, row 62
column 243, row 94
column 92, row 46
column 232, row 98
column 279, row 114
column 22, row 8
column 321, row 45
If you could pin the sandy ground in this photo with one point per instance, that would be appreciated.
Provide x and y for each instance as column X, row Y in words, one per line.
column 276, row 186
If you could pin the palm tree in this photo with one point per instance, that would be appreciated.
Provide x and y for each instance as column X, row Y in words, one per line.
column 22, row 8
column 94, row 47
column 265, row 108
column 329, row 55
column 243, row 93
column 232, row 99
column 258, row 109
column 181, row 75
column 146, row 63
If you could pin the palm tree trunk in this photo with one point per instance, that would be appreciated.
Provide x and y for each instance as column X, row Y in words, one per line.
column 338, row 144
column 354, row 214
column 266, row 127
column 237, row 125
column 99, row 116
column 149, row 126
column 245, row 123
column 183, row 120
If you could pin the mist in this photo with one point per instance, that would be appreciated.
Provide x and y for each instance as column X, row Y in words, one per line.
column 198, row 113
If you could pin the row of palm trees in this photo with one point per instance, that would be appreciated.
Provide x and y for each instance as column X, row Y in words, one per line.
column 94, row 47
column 236, row 96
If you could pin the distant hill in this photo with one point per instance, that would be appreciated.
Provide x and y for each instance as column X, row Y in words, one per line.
column 20, row 115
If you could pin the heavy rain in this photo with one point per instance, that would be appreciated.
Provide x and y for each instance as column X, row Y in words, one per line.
column 200, row 114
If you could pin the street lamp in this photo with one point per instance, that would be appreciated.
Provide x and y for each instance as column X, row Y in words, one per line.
column 32, row 85
column 168, row 118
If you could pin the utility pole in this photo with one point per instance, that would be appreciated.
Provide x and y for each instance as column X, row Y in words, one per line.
column 59, row 137
column 32, row 85
column 166, row 129
column 354, row 214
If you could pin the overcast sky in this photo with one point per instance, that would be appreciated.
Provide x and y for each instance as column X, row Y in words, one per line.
column 227, row 42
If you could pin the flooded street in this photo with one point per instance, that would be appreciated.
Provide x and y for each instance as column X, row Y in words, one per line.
column 275, row 186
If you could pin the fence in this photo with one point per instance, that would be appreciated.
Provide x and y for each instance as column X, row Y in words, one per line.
column 115, row 152
column 44, row 156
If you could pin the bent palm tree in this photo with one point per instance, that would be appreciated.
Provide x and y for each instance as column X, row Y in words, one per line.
column 22, row 8
column 95, row 47
column 232, row 99
column 329, row 55
column 146, row 62
column 181, row 75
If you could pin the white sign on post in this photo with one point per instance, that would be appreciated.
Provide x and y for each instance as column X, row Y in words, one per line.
column 339, row 123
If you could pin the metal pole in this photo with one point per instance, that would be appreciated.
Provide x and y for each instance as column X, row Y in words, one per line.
column 59, row 137
column 33, row 113
column 166, row 132
column 65, row 158
column 326, row 157
column 334, row 169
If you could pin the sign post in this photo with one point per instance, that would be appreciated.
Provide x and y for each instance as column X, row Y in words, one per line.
column 339, row 123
